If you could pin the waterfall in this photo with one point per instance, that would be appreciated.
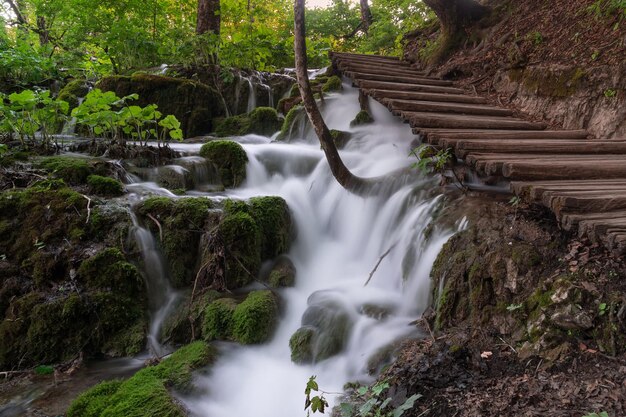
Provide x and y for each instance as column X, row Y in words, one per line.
column 251, row 95
column 161, row 297
column 341, row 239
column 69, row 128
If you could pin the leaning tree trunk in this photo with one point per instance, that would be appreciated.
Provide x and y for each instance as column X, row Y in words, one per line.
column 366, row 16
column 341, row 173
column 208, row 17
column 454, row 16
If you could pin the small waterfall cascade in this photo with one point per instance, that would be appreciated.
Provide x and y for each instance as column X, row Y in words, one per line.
column 69, row 128
column 161, row 296
column 363, row 264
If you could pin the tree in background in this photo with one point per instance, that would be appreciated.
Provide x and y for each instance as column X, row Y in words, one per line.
column 208, row 17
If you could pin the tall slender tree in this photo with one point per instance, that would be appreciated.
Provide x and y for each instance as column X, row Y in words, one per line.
column 366, row 15
column 208, row 17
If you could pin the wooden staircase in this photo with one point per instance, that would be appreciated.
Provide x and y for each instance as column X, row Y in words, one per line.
column 583, row 181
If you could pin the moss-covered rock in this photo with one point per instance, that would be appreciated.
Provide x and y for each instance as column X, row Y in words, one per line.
column 262, row 121
column 287, row 126
column 194, row 104
column 72, row 91
column 105, row 186
column 362, row 118
column 255, row 318
column 242, row 239
column 109, row 269
column 230, row 160
column 282, row 274
column 340, row 137
column 183, row 221
column 147, row 392
column 301, row 345
column 332, row 84
column 72, row 170
column 174, row 177
column 218, row 319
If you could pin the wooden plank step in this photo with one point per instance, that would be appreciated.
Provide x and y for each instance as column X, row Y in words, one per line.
column 584, row 201
column 452, row 142
column 380, row 69
column 383, row 85
column 493, row 164
column 343, row 65
column 541, row 146
column 571, row 220
column 562, row 170
column 412, row 95
column 465, row 121
column 534, row 190
column 348, row 55
column 504, row 134
column 397, row 105
column 593, row 228
column 398, row 78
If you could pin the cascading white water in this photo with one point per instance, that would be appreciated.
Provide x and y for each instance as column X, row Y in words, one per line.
column 69, row 128
column 161, row 297
column 341, row 238
column 251, row 95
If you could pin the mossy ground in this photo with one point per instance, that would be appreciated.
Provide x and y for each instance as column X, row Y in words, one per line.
column 261, row 121
column 147, row 393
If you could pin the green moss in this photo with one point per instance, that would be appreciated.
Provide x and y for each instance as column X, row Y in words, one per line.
column 241, row 237
column 301, row 345
column 230, row 160
column 274, row 220
column 182, row 222
column 288, row 122
column 105, row 186
column 254, row 320
column 177, row 326
column 362, row 118
column 72, row 91
column 109, row 269
column 262, row 121
column 559, row 83
column 218, row 319
column 283, row 273
column 340, row 137
column 332, row 84
column 146, row 393
column 72, row 170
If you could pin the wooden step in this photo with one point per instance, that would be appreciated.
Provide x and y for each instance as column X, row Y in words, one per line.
column 569, row 221
column 452, row 142
column 397, row 106
column 506, row 134
column 380, row 69
column 534, row 190
column 464, row 121
column 383, row 85
column 398, row 78
column 579, row 146
column 561, row 170
column 493, row 163
column 351, row 55
column 584, row 201
column 412, row 95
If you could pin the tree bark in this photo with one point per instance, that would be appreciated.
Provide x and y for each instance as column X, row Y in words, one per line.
column 366, row 16
column 454, row 16
column 208, row 17
column 341, row 173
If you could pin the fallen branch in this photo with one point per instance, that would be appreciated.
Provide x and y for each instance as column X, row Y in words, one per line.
column 378, row 263
column 88, row 208
column 151, row 217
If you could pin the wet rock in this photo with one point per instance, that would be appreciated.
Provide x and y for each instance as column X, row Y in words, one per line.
column 261, row 121
column 332, row 84
column 340, row 137
column 218, row 319
column 288, row 130
column 177, row 327
column 174, row 177
column 362, row 118
column 255, row 319
column 74, row 90
column 301, row 345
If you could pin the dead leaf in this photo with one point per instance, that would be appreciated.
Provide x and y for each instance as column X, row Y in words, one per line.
column 486, row 354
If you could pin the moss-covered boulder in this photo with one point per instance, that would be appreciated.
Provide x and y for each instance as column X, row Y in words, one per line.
column 194, row 103
column 147, row 393
column 282, row 274
column 261, row 121
column 255, row 318
column 104, row 186
column 287, row 129
column 230, row 160
column 340, row 137
column 174, row 177
column 362, row 118
column 74, row 90
column 72, row 170
column 182, row 222
column 301, row 345
column 242, row 240
column 332, row 84
column 177, row 327
column 218, row 319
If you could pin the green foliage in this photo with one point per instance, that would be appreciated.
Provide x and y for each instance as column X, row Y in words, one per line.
column 28, row 112
column 147, row 392
column 430, row 159
column 230, row 159
column 600, row 414
column 317, row 402
column 106, row 115
column 254, row 319
column 610, row 93
column 535, row 37
column 44, row 370
column 607, row 8
column 24, row 65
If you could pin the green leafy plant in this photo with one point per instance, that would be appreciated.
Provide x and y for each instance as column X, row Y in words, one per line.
column 603, row 309
column 433, row 160
column 610, row 93
column 535, row 37
column 600, row 414
column 317, row 402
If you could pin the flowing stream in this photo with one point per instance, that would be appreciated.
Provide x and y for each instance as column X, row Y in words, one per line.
column 341, row 240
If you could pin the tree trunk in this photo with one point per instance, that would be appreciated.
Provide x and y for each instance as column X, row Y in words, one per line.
column 42, row 31
column 208, row 17
column 366, row 16
column 341, row 173
column 454, row 16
